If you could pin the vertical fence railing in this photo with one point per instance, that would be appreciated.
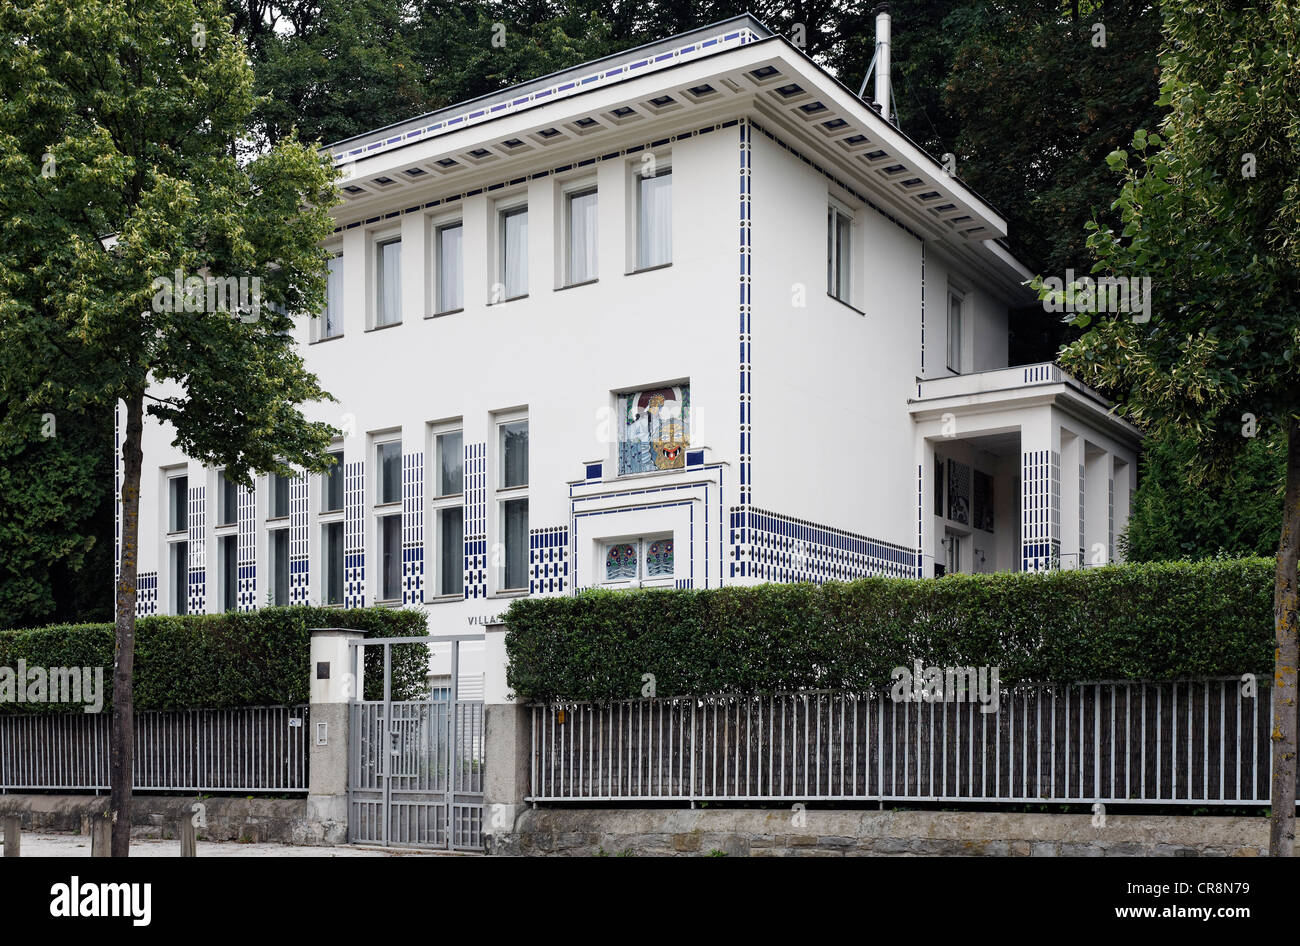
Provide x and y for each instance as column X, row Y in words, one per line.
column 1202, row 742
column 247, row 749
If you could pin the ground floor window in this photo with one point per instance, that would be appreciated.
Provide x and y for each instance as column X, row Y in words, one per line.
column 640, row 561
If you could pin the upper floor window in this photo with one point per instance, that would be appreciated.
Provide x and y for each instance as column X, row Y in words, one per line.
column 388, row 282
column 449, row 512
column 654, row 429
column 839, row 270
column 332, row 324
column 513, row 505
column 954, row 332
column 279, row 500
column 581, row 224
column 331, row 498
column 178, row 517
column 227, row 500
column 449, row 248
column 388, row 459
column 514, row 253
column 654, row 218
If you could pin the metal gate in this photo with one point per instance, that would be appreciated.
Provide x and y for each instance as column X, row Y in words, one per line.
column 415, row 776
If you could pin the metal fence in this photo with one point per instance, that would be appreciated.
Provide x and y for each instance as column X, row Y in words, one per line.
column 1192, row 742
column 248, row 749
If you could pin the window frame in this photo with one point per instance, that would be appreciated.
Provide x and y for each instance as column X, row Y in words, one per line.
column 505, row 208
column 576, row 190
column 326, row 526
column 228, row 590
column 438, row 228
column 510, row 494
column 440, row 502
column 323, row 324
column 378, row 243
column 955, row 296
column 334, row 474
column 641, row 580
column 839, row 251
column 640, row 262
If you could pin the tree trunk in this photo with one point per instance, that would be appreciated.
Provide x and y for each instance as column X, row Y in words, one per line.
column 121, row 741
column 1281, row 839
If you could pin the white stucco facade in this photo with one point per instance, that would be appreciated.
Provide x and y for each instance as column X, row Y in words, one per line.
column 812, row 426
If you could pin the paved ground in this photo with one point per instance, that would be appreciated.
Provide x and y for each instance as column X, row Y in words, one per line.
column 78, row 845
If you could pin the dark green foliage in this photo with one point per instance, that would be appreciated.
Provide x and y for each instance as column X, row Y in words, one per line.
column 1176, row 516
column 1148, row 621
column 254, row 658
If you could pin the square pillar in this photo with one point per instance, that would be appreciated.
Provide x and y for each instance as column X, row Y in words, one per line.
column 333, row 686
column 507, row 747
column 1040, row 494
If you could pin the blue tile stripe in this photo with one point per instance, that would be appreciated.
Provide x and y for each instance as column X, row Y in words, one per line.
column 413, row 528
column 770, row 546
column 196, row 587
column 299, row 559
column 354, row 534
column 476, row 557
column 246, row 547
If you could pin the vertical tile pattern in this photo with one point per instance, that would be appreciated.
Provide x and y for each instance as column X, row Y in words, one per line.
column 476, row 520
column 746, row 314
column 299, row 556
column 196, row 592
column 354, row 534
column 246, row 546
column 412, row 528
column 146, row 594
column 771, row 546
column 548, row 560
column 1040, row 485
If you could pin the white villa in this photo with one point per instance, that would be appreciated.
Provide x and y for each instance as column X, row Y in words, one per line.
column 691, row 315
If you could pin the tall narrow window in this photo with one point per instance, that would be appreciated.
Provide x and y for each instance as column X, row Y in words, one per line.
column 654, row 243
column 451, row 282
column 954, row 332
column 178, row 518
column 515, row 538
column 514, row 454
column 227, row 500
column 180, row 553
column 388, row 284
column 331, row 499
column 513, row 449
column 332, row 552
column 514, row 252
column 582, row 236
column 228, row 554
column 449, row 512
column 389, row 461
column 332, row 325
column 838, row 258
column 279, row 545
column 390, row 548
column 279, row 489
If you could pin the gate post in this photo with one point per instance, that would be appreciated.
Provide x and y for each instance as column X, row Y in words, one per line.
column 333, row 686
column 507, row 748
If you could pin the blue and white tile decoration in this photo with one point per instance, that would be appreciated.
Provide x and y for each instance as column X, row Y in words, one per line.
column 1082, row 519
column 773, row 547
column 146, row 594
column 354, row 534
column 476, row 559
column 548, row 560
column 746, row 314
column 299, row 557
column 246, row 546
column 412, row 528
column 1110, row 520
column 196, row 591
column 1041, row 510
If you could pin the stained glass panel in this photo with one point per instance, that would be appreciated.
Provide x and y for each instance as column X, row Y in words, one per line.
column 659, row 559
column 620, row 562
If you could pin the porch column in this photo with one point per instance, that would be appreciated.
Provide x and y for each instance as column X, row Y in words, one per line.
column 332, row 686
column 1040, row 493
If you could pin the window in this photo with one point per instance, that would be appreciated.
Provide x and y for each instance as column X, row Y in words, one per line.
column 332, row 325
column 654, row 429
column 178, row 519
column 954, row 332
column 952, row 565
column 581, row 222
column 180, row 556
column 838, row 266
column 451, row 281
column 388, row 283
column 449, row 513
column 514, row 454
column 279, row 499
column 331, row 499
column 631, row 563
column 513, row 448
column 227, row 501
column 654, row 219
column 332, row 553
column 228, row 563
column 514, row 252
column 279, row 546
column 388, row 457
column 390, row 550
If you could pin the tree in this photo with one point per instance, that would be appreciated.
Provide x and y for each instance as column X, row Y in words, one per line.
column 1210, row 212
column 122, row 168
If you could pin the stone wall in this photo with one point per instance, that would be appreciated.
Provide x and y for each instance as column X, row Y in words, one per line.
column 768, row 833
column 282, row 820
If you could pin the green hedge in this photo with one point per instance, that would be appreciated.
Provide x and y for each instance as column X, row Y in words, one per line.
column 253, row 658
column 1152, row 621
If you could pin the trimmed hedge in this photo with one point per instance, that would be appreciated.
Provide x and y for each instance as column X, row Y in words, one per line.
column 252, row 658
column 1155, row 621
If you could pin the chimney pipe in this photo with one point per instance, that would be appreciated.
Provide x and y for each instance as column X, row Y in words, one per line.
column 882, row 61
